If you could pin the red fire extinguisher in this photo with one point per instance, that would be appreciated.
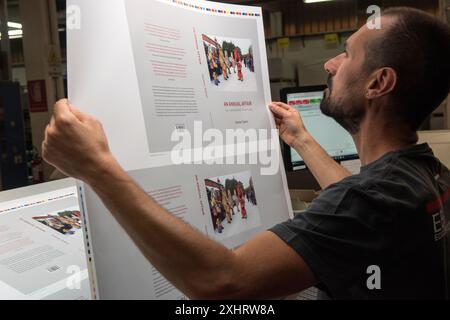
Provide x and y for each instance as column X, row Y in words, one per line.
column 37, row 166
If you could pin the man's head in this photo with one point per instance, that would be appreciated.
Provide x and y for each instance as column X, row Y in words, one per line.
column 402, row 69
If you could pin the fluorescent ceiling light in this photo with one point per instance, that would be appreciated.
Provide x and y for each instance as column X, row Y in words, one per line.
column 14, row 34
column 15, row 25
column 313, row 1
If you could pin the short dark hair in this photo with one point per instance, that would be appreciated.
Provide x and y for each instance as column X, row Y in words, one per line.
column 417, row 47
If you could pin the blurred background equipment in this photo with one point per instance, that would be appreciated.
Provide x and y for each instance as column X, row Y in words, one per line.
column 13, row 165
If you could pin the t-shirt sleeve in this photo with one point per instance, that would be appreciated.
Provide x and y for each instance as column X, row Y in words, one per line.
column 343, row 233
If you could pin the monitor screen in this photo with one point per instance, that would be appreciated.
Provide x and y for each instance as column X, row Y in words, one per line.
column 42, row 252
column 337, row 142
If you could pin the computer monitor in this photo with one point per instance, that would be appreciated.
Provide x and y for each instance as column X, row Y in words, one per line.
column 336, row 141
column 42, row 251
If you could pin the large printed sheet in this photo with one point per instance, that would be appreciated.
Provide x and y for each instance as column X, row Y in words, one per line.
column 152, row 70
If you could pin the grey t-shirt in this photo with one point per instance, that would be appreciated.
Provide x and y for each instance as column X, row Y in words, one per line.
column 394, row 215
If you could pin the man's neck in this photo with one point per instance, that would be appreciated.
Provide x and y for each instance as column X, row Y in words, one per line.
column 377, row 138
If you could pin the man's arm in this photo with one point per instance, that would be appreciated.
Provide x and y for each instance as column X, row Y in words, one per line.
column 293, row 132
column 265, row 267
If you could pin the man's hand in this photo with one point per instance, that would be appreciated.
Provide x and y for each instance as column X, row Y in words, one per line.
column 75, row 143
column 289, row 123
column 293, row 132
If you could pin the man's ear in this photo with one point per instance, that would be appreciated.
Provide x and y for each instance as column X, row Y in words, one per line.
column 383, row 81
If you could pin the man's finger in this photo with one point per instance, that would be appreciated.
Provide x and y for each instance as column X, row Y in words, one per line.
column 80, row 115
column 46, row 133
column 279, row 111
column 277, row 117
column 44, row 151
column 283, row 105
column 61, row 111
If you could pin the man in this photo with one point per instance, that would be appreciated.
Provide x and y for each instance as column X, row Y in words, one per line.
column 393, row 216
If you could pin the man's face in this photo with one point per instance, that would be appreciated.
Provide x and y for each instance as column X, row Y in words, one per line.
column 344, row 99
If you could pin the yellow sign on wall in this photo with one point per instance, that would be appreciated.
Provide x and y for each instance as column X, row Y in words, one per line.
column 283, row 43
column 332, row 38
column 53, row 56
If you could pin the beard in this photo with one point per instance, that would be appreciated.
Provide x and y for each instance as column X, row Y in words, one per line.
column 346, row 111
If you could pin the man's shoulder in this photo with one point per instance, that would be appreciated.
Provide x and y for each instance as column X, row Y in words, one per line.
column 336, row 194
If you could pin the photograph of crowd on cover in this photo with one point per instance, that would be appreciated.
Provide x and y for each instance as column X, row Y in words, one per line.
column 233, row 204
column 66, row 222
column 231, row 63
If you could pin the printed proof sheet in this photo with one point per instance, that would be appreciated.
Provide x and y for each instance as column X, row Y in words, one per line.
column 158, row 73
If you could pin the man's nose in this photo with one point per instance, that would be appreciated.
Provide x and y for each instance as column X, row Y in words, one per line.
column 332, row 65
